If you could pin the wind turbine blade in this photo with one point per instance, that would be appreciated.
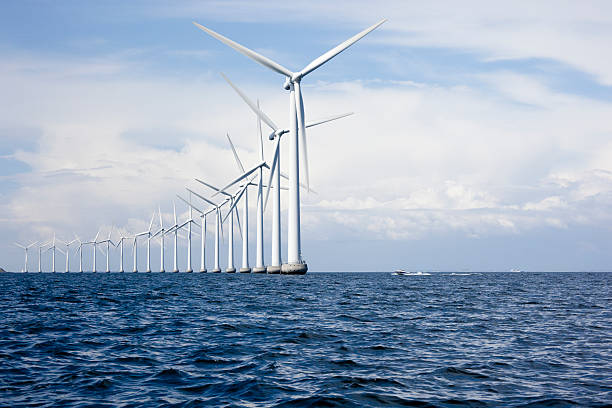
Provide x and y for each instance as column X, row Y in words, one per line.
column 253, row 106
column 338, row 49
column 174, row 208
column 96, row 238
column 237, row 179
column 203, row 198
column 328, row 119
column 240, row 166
column 261, row 149
column 211, row 186
column 161, row 223
column 151, row 223
column 299, row 108
column 238, row 219
column 189, row 204
column 274, row 165
column 266, row 62
column 20, row 246
column 77, row 237
column 286, row 177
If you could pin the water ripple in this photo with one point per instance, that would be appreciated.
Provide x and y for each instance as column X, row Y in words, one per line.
column 350, row 340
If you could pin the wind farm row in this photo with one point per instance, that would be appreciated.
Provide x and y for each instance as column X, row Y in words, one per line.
column 223, row 202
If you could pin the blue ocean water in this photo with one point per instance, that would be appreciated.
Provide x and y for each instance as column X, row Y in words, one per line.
column 328, row 339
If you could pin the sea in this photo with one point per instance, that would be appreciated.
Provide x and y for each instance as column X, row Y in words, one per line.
column 322, row 339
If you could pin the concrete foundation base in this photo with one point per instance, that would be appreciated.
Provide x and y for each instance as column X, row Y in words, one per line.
column 203, row 270
column 230, row 270
column 176, row 270
column 294, row 269
column 148, row 271
column 216, row 270
column 189, row 270
column 273, row 270
column 163, row 270
column 262, row 269
column 135, row 270
column 245, row 270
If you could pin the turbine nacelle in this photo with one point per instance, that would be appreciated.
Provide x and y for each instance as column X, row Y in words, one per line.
column 287, row 84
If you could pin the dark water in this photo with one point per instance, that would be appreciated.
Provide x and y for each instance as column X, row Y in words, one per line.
column 498, row 339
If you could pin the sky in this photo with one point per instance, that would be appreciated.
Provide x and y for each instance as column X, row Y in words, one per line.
column 481, row 137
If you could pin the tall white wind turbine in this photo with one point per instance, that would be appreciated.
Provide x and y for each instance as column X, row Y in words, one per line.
column 161, row 233
column 187, row 224
column 218, row 226
column 40, row 247
column 120, row 244
column 108, row 244
column 52, row 248
column 80, row 252
column 95, row 250
column 67, row 253
column 135, row 248
column 175, row 230
column 295, row 263
column 232, row 200
column 203, row 215
column 148, row 234
column 25, row 248
column 245, row 268
column 135, row 253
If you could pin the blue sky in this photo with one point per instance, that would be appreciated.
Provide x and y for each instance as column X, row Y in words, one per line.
column 481, row 138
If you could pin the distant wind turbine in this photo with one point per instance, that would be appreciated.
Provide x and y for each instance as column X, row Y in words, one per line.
column 203, row 215
column 25, row 248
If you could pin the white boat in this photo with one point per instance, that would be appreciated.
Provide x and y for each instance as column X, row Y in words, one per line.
column 516, row 270
column 404, row 273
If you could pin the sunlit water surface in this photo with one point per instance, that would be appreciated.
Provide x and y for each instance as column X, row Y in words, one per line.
column 333, row 339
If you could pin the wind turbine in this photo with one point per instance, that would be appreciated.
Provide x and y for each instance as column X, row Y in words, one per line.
column 80, row 253
column 275, row 263
column 108, row 243
column 218, row 225
column 161, row 231
column 174, row 229
column 53, row 247
column 187, row 224
column 95, row 250
column 120, row 244
column 203, row 226
column 233, row 200
column 68, row 253
column 149, row 244
column 25, row 248
column 40, row 247
column 135, row 249
column 245, row 268
column 295, row 263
